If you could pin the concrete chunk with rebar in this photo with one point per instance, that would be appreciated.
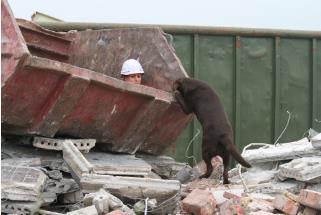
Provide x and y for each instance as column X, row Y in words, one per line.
column 283, row 151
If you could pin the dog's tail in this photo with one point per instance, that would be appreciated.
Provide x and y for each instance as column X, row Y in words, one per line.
column 229, row 146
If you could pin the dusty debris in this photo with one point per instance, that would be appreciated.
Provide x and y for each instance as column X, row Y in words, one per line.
column 302, row 169
column 164, row 166
column 105, row 202
column 22, row 183
column 285, row 151
column 90, row 210
column 118, row 164
column 131, row 187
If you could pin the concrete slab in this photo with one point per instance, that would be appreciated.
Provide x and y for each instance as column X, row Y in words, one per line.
column 284, row 151
column 302, row 169
column 118, row 164
column 21, row 183
column 131, row 187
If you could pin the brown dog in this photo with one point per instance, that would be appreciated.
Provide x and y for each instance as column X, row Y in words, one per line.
column 198, row 97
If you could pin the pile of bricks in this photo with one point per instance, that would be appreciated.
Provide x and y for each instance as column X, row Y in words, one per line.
column 203, row 202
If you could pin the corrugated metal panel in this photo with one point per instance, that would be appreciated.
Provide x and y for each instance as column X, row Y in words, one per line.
column 259, row 79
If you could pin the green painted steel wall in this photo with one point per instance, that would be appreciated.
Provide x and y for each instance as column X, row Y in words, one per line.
column 258, row 79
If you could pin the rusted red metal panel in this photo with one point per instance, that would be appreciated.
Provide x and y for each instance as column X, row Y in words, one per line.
column 13, row 46
column 48, row 97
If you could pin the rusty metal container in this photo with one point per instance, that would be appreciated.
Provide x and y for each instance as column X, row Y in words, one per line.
column 67, row 84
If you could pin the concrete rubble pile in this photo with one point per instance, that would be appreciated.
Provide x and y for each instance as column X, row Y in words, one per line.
column 284, row 179
column 52, row 176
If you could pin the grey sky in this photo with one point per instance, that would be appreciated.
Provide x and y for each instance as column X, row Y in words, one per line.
column 277, row 14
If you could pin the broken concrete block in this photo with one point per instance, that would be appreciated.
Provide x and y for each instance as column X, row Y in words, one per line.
column 21, row 183
column 77, row 163
column 199, row 202
column 130, row 187
column 279, row 187
column 286, row 205
column 91, row 210
column 105, row 202
column 164, row 166
column 56, row 144
column 65, row 185
column 48, row 198
column 256, row 175
column 117, row 164
column 302, row 169
column 310, row 198
column 316, row 141
column 19, row 207
column 284, row 151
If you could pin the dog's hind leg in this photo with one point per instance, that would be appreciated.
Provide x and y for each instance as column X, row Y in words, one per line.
column 226, row 162
column 209, row 167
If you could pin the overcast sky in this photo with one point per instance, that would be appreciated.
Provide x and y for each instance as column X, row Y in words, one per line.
column 276, row 14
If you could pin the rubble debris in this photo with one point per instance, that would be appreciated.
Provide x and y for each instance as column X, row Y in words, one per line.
column 118, row 164
column 164, row 166
column 27, row 162
column 105, row 202
column 21, row 183
column 286, row 204
column 310, row 211
column 285, row 151
column 56, row 144
column 90, row 210
column 310, row 198
column 44, row 212
column 199, row 202
column 71, row 197
column 65, row 185
column 76, row 161
column 19, row 207
column 140, row 206
column 315, row 138
column 130, row 187
column 302, row 169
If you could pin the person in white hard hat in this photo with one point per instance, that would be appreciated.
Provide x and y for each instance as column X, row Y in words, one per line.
column 132, row 71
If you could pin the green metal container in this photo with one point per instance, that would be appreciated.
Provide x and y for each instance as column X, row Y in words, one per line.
column 261, row 75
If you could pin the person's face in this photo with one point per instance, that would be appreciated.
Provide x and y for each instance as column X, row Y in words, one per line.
column 133, row 78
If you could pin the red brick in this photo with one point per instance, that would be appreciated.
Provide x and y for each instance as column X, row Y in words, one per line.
column 230, row 195
column 310, row 198
column 260, row 213
column 200, row 202
column 117, row 212
column 286, row 205
column 232, row 207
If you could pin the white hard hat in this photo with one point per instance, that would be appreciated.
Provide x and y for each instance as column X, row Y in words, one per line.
column 131, row 66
